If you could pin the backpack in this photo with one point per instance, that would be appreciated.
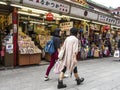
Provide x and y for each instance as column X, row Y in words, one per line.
column 49, row 47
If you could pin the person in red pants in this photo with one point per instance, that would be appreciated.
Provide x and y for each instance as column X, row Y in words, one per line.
column 54, row 56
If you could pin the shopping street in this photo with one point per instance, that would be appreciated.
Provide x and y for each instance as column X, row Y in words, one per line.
column 99, row 74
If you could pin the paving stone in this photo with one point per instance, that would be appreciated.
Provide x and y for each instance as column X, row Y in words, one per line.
column 99, row 74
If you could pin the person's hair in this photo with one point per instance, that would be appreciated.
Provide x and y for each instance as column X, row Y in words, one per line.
column 56, row 32
column 74, row 31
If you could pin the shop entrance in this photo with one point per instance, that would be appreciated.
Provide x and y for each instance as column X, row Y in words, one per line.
column 5, row 26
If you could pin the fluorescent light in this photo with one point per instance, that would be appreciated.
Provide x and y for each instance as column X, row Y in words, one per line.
column 30, row 14
column 28, row 8
column 80, row 19
column 99, row 23
column 14, row 5
column 4, row 3
column 115, row 26
column 38, row 23
column 35, row 22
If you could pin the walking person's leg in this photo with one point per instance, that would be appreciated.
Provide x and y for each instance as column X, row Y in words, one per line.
column 60, row 80
column 78, row 80
column 52, row 62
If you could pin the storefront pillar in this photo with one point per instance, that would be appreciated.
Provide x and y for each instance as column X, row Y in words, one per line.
column 15, row 34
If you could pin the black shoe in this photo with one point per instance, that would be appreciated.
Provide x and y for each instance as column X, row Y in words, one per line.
column 79, row 81
column 61, row 85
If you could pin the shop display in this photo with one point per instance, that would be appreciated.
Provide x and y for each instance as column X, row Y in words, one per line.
column 44, row 39
column 28, row 52
column 26, row 46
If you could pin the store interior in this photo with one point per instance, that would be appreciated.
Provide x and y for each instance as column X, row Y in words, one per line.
column 5, row 27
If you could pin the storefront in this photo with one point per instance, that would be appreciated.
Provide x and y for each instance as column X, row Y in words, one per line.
column 6, row 36
column 35, row 27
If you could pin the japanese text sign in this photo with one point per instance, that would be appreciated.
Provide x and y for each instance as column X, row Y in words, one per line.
column 50, row 4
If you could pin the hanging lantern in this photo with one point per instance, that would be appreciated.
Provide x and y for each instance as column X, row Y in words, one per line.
column 106, row 27
column 49, row 16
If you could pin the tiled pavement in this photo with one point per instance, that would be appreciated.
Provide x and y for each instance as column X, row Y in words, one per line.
column 99, row 74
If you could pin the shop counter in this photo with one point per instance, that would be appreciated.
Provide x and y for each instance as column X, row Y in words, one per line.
column 29, row 59
column 9, row 60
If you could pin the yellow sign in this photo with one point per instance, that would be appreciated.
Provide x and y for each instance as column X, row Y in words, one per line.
column 82, row 2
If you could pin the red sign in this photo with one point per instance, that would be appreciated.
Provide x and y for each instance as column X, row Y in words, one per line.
column 106, row 27
column 49, row 17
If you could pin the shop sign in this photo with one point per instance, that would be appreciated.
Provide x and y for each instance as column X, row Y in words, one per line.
column 66, row 27
column 83, row 13
column 81, row 2
column 49, row 4
column 118, row 22
column 106, row 19
column 49, row 16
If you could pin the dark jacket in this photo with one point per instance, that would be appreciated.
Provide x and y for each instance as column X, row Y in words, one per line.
column 56, row 38
column 119, row 44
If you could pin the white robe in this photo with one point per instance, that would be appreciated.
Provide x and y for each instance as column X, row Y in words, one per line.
column 71, row 50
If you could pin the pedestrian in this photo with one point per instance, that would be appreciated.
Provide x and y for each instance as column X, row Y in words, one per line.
column 119, row 44
column 70, row 59
column 108, row 45
column 54, row 56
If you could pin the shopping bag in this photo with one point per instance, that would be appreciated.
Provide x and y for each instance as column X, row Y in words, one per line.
column 58, row 67
column 61, row 53
column 117, row 53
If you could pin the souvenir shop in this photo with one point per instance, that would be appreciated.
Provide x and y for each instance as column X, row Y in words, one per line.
column 6, row 36
column 33, row 29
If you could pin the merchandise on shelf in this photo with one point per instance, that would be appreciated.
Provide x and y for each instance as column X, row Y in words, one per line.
column 44, row 39
column 26, row 45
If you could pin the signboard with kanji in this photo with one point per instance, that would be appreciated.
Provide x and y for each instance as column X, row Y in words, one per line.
column 107, row 19
column 81, row 2
column 49, row 4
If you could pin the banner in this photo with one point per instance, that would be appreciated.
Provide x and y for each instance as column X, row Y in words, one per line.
column 49, row 4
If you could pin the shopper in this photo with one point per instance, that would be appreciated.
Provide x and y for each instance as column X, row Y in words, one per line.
column 108, row 44
column 54, row 56
column 119, row 44
column 69, row 59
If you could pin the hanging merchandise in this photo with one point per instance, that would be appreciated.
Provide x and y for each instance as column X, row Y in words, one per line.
column 108, row 35
column 106, row 27
column 49, row 16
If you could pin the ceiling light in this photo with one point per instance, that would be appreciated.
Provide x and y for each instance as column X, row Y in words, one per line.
column 29, row 14
column 4, row 3
column 98, row 23
column 115, row 26
column 28, row 8
column 80, row 19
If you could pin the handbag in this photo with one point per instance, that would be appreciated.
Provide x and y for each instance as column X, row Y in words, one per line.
column 58, row 67
column 61, row 53
column 117, row 53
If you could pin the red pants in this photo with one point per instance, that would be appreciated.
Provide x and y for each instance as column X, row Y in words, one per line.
column 54, row 57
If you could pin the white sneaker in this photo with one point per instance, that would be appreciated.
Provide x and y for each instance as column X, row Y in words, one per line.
column 46, row 79
column 66, row 75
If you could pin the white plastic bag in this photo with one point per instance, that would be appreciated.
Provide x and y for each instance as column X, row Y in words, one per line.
column 61, row 53
column 58, row 67
column 117, row 53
